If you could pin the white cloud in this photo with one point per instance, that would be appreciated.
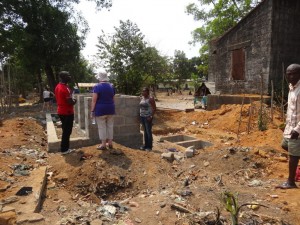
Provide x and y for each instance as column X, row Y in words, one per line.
column 163, row 22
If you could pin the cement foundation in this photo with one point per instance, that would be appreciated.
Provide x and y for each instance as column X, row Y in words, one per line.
column 186, row 141
column 215, row 101
column 126, row 124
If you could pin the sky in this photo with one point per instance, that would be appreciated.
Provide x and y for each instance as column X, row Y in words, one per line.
column 164, row 24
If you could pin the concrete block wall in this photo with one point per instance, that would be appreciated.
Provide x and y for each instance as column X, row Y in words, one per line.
column 215, row 101
column 126, row 121
column 91, row 130
column 80, row 109
column 76, row 107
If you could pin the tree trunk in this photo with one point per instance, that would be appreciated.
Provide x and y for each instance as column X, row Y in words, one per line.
column 40, row 88
column 50, row 76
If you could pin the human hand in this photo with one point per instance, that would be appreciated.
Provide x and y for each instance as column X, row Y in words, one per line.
column 149, row 118
column 294, row 134
column 72, row 101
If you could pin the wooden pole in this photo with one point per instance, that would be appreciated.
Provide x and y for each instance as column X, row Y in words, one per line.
column 260, row 116
column 282, row 94
column 250, row 117
column 240, row 120
column 272, row 98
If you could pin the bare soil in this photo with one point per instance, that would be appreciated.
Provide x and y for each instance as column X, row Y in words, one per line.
column 242, row 160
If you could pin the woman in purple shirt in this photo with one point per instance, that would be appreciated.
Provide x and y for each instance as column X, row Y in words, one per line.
column 103, row 109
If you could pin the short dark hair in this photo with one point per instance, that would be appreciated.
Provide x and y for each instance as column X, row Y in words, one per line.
column 63, row 74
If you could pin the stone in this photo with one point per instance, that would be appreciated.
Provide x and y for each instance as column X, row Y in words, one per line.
column 8, row 209
column 9, row 200
column 281, row 159
column 163, row 204
column 4, row 186
column 30, row 218
column 97, row 222
column 8, row 218
column 206, row 164
column 168, row 156
column 178, row 157
column 62, row 177
column 189, row 152
column 138, row 220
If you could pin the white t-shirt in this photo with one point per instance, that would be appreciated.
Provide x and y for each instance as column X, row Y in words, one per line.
column 46, row 94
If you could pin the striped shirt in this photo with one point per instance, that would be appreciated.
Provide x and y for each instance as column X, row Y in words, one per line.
column 293, row 111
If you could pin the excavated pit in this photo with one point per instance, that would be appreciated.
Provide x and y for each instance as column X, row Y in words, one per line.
column 186, row 141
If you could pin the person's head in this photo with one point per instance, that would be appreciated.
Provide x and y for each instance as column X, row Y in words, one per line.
column 64, row 76
column 145, row 92
column 102, row 76
column 293, row 73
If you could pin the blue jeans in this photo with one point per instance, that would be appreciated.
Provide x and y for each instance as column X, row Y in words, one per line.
column 147, row 125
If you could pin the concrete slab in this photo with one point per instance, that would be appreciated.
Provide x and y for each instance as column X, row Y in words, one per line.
column 186, row 141
column 177, row 138
column 30, row 204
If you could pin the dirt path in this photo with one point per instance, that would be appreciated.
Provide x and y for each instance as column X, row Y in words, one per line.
column 129, row 186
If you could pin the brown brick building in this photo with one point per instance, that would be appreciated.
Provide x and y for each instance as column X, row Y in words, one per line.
column 262, row 44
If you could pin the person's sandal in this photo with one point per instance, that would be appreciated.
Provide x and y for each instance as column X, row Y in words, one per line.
column 110, row 147
column 286, row 185
column 101, row 147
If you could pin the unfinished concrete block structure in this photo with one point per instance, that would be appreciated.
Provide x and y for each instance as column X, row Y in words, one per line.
column 257, row 50
column 126, row 124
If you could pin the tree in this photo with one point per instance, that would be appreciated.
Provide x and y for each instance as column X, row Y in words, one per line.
column 129, row 59
column 40, row 34
column 81, row 71
column 155, row 66
column 217, row 16
column 181, row 67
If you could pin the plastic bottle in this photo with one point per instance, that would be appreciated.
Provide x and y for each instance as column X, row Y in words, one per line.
column 93, row 120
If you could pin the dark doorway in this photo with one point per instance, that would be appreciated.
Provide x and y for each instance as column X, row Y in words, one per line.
column 238, row 64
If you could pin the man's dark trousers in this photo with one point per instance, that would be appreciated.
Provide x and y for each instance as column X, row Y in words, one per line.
column 67, row 126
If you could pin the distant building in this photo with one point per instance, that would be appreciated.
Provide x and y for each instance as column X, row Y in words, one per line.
column 186, row 84
column 257, row 50
column 87, row 86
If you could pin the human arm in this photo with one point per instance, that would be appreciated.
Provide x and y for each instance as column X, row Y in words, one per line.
column 153, row 106
column 93, row 105
column 71, row 101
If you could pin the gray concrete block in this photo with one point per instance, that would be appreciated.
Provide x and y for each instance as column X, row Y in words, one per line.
column 132, row 120
column 131, row 112
column 132, row 101
column 130, row 129
column 119, row 120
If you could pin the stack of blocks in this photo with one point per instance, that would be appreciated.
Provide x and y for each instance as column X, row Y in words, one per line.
column 126, row 120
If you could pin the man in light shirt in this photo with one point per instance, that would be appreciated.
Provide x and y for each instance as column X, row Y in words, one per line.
column 291, row 139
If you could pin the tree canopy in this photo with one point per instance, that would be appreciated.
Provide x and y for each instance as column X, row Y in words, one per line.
column 43, row 36
column 130, row 60
column 217, row 16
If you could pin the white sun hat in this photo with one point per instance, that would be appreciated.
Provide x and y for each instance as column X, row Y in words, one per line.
column 102, row 76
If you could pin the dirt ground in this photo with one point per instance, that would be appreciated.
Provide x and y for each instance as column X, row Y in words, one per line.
column 129, row 186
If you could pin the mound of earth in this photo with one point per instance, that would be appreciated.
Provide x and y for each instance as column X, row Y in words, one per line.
column 129, row 186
